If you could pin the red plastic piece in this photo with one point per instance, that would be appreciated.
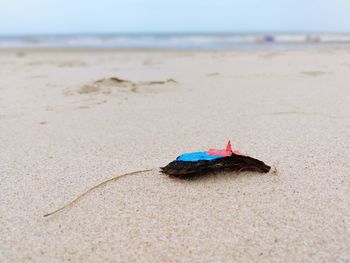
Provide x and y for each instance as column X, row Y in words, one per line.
column 224, row 153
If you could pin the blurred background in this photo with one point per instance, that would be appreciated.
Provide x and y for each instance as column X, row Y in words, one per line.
column 196, row 24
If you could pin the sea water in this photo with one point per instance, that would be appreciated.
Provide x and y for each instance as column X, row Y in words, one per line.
column 227, row 41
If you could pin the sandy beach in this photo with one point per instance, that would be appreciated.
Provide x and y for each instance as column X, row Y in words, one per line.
column 70, row 119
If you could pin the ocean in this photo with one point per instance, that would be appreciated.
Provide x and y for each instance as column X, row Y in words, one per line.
column 181, row 41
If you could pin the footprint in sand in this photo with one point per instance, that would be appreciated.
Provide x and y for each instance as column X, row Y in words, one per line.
column 37, row 77
column 213, row 74
column 111, row 85
column 83, row 107
column 151, row 62
column 60, row 64
column 315, row 73
column 71, row 64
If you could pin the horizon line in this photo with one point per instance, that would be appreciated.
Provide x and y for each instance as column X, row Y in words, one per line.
column 178, row 33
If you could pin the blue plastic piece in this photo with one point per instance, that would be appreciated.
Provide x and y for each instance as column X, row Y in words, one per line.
column 197, row 156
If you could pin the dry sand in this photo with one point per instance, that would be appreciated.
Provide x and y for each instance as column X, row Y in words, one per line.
column 71, row 119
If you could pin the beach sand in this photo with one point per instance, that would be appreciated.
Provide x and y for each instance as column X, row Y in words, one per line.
column 70, row 119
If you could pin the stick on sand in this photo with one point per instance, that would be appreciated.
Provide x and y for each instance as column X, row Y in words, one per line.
column 94, row 188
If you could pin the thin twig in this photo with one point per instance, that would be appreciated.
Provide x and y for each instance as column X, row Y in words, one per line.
column 93, row 188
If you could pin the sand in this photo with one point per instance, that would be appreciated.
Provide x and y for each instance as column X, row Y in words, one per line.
column 70, row 119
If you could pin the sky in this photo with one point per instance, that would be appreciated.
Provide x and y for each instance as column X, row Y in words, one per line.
column 172, row 16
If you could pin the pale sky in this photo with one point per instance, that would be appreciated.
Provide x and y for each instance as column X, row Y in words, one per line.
column 172, row 16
